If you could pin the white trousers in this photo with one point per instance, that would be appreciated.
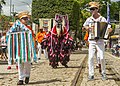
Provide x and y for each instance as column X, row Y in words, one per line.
column 99, row 46
column 24, row 70
column 40, row 51
column 97, row 57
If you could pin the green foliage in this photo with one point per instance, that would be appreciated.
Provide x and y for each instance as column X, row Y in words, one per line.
column 48, row 9
column 75, row 15
column 4, row 21
column 113, row 26
column 75, row 20
column 76, row 10
column 114, row 9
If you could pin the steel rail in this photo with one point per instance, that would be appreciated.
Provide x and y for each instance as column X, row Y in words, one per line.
column 75, row 80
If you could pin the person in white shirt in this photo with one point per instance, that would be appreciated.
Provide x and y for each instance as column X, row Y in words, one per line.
column 4, row 46
column 95, row 44
column 3, row 40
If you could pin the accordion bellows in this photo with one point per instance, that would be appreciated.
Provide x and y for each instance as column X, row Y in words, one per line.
column 100, row 30
column 20, row 43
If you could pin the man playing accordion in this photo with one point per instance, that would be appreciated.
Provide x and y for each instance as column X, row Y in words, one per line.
column 95, row 44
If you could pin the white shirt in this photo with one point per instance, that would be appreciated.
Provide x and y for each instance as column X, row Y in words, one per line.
column 3, row 41
column 90, row 21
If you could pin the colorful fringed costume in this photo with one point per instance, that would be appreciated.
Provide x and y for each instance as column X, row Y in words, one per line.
column 20, row 43
column 58, row 47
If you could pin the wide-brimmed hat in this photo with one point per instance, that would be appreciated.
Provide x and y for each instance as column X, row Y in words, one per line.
column 23, row 14
column 10, row 23
column 94, row 5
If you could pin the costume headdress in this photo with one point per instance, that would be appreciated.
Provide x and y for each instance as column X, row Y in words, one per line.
column 58, row 20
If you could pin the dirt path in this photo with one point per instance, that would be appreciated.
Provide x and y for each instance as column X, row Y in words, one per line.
column 111, row 81
column 42, row 74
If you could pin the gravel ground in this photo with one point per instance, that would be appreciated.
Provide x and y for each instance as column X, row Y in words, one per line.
column 97, row 76
column 114, row 62
column 42, row 74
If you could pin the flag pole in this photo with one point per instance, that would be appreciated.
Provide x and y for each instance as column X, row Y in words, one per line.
column 108, row 12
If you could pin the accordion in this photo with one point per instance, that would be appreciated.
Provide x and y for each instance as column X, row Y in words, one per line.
column 100, row 30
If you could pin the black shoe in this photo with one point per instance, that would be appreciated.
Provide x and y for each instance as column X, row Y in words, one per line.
column 99, row 68
column 27, row 80
column 20, row 82
column 39, row 58
column 66, row 66
column 91, row 78
column 55, row 66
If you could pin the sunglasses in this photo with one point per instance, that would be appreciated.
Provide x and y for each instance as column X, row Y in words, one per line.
column 93, row 9
column 25, row 18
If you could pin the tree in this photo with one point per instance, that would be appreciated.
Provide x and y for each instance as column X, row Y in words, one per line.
column 76, row 10
column 4, row 22
column 114, row 9
column 48, row 9
column 1, row 2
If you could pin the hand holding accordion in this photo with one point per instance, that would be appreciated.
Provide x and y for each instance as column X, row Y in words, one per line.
column 100, row 31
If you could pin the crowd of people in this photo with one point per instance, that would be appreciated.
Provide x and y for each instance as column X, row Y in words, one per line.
column 57, row 44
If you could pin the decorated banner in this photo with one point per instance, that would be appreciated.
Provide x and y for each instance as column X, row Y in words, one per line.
column 20, row 44
column 46, row 24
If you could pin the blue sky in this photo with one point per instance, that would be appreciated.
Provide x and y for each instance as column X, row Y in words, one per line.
column 19, row 5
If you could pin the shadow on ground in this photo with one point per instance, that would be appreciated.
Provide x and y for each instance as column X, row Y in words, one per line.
column 80, row 52
column 46, row 81
column 3, row 62
column 8, row 73
column 68, row 67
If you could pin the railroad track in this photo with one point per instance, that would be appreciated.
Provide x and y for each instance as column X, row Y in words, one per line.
column 112, row 70
column 112, row 74
column 78, row 77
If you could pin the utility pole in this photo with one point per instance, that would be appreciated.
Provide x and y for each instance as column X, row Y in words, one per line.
column 13, row 12
column 10, row 7
column 108, row 20
column 108, row 12
column 119, row 27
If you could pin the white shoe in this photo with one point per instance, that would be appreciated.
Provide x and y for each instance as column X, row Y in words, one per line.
column 104, row 77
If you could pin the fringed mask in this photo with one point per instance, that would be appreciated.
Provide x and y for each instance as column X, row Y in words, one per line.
column 59, row 28
column 59, row 25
